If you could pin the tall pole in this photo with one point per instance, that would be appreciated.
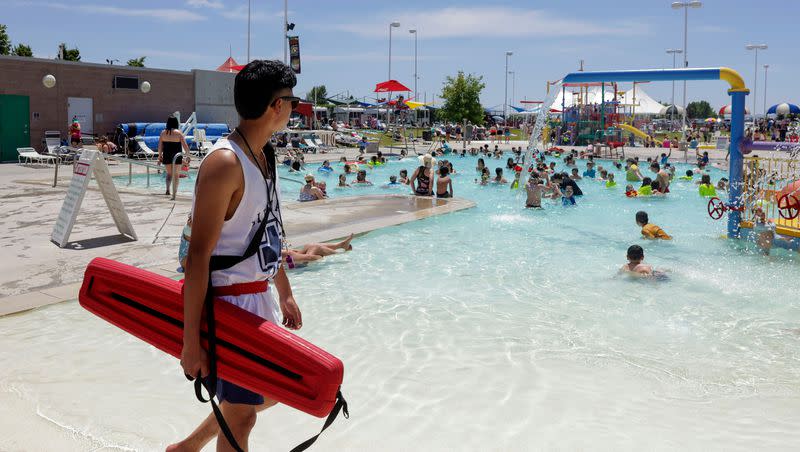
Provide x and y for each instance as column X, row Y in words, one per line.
column 505, row 96
column 673, row 52
column 685, row 5
column 248, row 31
column 755, row 47
column 766, row 66
column 391, row 25
column 285, row 31
column 513, row 86
column 413, row 31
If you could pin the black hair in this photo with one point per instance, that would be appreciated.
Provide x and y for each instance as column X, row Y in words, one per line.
column 689, row 173
column 402, row 171
column 172, row 123
column 256, row 84
column 646, row 181
column 635, row 253
column 498, row 171
column 444, row 171
column 655, row 185
column 706, row 179
column 655, row 166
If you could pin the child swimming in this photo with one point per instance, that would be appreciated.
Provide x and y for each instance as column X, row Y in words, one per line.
column 568, row 198
column 631, row 192
column 636, row 266
column 706, row 188
column 535, row 189
column 649, row 230
column 610, row 182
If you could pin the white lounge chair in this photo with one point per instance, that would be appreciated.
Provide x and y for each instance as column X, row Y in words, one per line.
column 144, row 150
column 29, row 156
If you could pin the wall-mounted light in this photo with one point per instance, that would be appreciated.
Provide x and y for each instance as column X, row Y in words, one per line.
column 49, row 81
column 145, row 87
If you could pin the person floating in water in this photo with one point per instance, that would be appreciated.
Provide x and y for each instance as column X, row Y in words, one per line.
column 568, row 198
column 314, row 251
column 636, row 265
column 649, row 230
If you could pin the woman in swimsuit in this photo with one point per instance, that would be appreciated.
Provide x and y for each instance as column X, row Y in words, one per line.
column 444, row 184
column 421, row 181
column 310, row 192
column 171, row 143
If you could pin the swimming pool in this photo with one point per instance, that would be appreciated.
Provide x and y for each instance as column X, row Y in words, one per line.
column 494, row 328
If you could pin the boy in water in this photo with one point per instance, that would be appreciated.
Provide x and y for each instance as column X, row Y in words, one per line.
column 636, row 265
column 649, row 230
column 240, row 166
column 535, row 189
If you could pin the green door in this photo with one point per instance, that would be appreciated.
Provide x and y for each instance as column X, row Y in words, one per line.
column 15, row 125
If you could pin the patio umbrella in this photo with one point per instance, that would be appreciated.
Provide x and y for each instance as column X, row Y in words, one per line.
column 783, row 109
column 711, row 119
column 230, row 65
column 726, row 110
column 390, row 86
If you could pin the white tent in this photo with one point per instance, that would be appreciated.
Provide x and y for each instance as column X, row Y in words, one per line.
column 645, row 105
column 594, row 96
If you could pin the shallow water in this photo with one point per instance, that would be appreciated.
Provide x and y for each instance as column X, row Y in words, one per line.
column 494, row 328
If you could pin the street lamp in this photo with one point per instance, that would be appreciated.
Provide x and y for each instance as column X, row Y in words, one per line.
column 685, row 5
column 391, row 25
column 413, row 31
column 505, row 97
column 755, row 47
column 673, row 52
column 513, row 86
column 766, row 66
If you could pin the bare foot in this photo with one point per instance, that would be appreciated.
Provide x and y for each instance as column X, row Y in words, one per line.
column 346, row 243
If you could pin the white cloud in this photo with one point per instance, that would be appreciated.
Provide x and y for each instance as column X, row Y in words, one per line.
column 161, row 14
column 480, row 22
column 214, row 4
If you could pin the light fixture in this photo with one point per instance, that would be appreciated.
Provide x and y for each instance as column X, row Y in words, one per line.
column 145, row 87
column 395, row 24
column 756, row 46
column 49, row 81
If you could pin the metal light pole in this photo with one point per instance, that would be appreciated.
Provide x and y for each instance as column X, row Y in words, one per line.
column 755, row 47
column 685, row 5
column 285, row 31
column 513, row 86
column 248, row 31
column 766, row 66
column 413, row 31
column 391, row 25
column 505, row 97
column 673, row 52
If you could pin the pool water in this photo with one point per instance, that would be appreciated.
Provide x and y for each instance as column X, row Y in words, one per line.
column 493, row 328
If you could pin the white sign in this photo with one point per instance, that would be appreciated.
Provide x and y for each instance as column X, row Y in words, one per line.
column 90, row 163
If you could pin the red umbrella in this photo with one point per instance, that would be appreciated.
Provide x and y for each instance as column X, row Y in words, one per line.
column 726, row 110
column 390, row 86
column 230, row 65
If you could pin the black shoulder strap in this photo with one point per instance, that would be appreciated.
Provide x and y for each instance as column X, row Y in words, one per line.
column 223, row 262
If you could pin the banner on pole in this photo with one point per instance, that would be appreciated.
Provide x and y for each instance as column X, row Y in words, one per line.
column 294, row 53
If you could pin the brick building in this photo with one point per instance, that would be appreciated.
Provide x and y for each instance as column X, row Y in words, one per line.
column 100, row 96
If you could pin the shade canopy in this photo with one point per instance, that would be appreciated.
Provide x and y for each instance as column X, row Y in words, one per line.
column 230, row 65
column 390, row 86
column 783, row 109
column 641, row 102
column 727, row 110
column 671, row 110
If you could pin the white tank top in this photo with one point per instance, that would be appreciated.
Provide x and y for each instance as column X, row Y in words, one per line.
column 237, row 233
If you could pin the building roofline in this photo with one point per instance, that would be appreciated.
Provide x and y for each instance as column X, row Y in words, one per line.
column 120, row 67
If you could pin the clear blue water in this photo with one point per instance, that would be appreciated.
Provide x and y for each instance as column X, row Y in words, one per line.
column 494, row 328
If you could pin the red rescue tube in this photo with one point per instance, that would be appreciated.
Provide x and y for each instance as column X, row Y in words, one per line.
column 251, row 352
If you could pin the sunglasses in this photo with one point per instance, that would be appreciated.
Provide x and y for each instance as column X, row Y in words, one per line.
column 293, row 99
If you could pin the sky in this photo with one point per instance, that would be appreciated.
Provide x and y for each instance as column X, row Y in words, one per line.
column 344, row 44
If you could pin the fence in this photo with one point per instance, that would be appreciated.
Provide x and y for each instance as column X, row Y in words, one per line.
column 765, row 182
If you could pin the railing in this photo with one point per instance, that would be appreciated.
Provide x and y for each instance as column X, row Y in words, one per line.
column 149, row 164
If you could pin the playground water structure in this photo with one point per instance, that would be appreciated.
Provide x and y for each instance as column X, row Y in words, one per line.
column 735, row 205
column 506, row 319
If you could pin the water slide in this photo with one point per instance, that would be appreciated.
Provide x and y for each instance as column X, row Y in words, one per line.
column 633, row 130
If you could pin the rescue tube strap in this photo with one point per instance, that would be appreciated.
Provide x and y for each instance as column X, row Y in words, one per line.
column 341, row 405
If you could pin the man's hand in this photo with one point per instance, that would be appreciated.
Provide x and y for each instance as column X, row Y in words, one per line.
column 292, row 318
column 194, row 359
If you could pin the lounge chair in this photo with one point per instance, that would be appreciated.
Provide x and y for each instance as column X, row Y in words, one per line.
column 144, row 151
column 29, row 156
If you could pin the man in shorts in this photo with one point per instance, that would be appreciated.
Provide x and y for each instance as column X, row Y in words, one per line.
column 227, row 213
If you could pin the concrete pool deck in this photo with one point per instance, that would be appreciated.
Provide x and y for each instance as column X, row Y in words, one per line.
column 36, row 272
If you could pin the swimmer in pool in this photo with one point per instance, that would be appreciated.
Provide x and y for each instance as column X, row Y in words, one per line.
column 316, row 251
column 650, row 230
column 636, row 265
column 535, row 189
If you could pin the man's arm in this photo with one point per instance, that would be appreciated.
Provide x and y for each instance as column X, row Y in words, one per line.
column 292, row 318
column 220, row 177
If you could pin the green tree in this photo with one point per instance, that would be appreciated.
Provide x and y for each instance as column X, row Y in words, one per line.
column 700, row 109
column 318, row 94
column 462, row 98
column 5, row 41
column 137, row 62
column 22, row 50
column 69, row 54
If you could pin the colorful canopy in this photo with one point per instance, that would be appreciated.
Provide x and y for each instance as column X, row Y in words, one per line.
column 413, row 105
column 783, row 109
column 727, row 110
column 230, row 65
column 390, row 86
